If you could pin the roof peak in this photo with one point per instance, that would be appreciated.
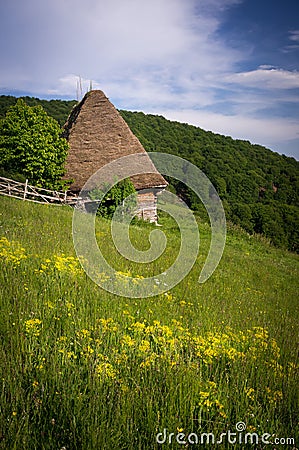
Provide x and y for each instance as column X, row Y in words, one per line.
column 95, row 92
column 97, row 135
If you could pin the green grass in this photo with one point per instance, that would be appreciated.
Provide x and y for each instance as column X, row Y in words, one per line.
column 85, row 369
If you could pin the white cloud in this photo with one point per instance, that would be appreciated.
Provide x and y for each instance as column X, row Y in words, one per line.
column 142, row 53
column 171, row 42
column 266, row 77
column 294, row 35
column 294, row 38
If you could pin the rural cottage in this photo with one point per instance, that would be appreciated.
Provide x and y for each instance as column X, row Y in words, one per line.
column 97, row 135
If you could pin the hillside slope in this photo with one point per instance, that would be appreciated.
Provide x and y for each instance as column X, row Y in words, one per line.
column 82, row 368
column 259, row 188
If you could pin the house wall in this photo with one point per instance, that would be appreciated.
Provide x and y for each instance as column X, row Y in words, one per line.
column 147, row 205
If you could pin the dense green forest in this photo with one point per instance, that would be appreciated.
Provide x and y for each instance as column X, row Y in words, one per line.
column 259, row 188
column 59, row 109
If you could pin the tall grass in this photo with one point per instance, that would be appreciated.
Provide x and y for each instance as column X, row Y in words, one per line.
column 85, row 369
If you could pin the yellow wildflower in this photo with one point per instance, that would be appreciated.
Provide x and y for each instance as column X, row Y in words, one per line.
column 11, row 251
column 106, row 370
column 250, row 393
column 32, row 327
column 144, row 347
column 127, row 340
column 108, row 324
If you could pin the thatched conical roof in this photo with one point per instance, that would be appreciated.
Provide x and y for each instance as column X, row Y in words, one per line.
column 97, row 135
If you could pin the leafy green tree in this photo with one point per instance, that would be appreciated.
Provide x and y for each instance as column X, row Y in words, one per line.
column 114, row 197
column 30, row 144
column 241, row 214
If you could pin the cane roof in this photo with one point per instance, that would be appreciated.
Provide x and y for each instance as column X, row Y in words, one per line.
column 97, row 135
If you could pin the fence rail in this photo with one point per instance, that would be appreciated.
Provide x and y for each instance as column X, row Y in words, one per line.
column 25, row 191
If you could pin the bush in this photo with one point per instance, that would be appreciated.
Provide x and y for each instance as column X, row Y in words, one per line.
column 114, row 197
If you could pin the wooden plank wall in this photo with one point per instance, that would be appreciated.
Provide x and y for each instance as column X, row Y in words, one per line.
column 147, row 206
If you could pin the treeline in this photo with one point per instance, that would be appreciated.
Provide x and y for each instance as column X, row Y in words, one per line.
column 259, row 188
column 59, row 109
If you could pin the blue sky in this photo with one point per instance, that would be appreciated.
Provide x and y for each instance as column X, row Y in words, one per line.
column 230, row 66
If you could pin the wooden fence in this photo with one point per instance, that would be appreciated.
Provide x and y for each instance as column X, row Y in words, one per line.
column 25, row 191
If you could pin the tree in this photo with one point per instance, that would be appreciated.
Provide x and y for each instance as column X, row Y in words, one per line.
column 30, row 144
column 114, row 197
column 241, row 214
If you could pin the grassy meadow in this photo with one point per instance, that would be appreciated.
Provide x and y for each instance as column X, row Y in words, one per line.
column 85, row 369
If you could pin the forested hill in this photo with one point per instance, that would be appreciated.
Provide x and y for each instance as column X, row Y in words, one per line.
column 59, row 109
column 259, row 188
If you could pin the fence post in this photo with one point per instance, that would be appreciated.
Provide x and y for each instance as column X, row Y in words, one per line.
column 25, row 190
